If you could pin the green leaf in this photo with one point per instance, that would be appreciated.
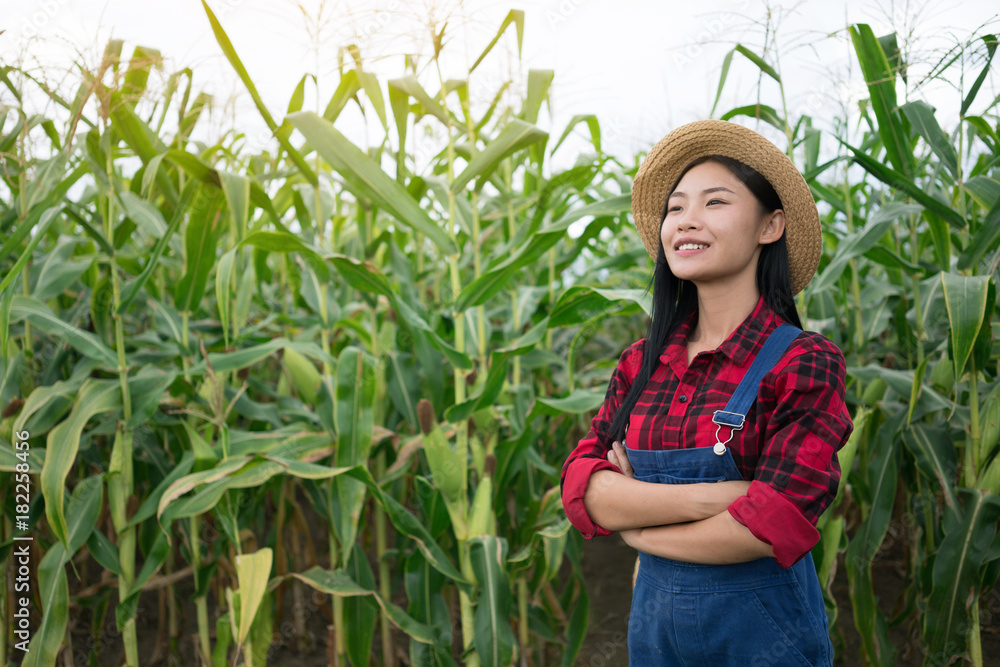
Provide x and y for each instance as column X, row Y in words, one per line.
column 921, row 117
column 53, row 591
column 201, row 238
column 148, row 506
column 881, row 80
column 955, row 574
column 46, row 220
column 374, row 93
column 539, row 82
column 285, row 242
column 366, row 179
column 965, row 298
column 84, row 342
column 486, row 396
column 515, row 136
column 759, row 62
column 104, row 552
column 592, row 123
column 576, row 629
column 152, row 261
column 578, row 402
column 483, row 288
column 581, row 303
column 59, row 270
column 984, row 240
column 515, row 16
column 236, row 187
column 143, row 213
column 252, row 572
column 861, row 242
column 360, row 611
column 757, row 111
column 82, row 510
column 897, row 180
column 881, row 476
column 985, row 190
column 991, row 49
column 410, row 86
column 340, row 584
column 346, row 89
column 248, row 356
column 234, row 60
column 934, row 453
column 362, row 275
column 494, row 638
column 354, row 404
column 63, row 442
column 723, row 75
column 412, row 318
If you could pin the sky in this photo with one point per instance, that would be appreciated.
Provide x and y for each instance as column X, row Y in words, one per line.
column 642, row 66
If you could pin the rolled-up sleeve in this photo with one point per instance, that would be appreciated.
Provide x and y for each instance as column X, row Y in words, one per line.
column 798, row 473
column 590, row 454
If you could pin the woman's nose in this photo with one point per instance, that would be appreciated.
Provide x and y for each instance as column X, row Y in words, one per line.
column 687, row 220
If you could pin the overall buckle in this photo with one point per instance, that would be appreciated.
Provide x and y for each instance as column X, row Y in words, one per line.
column 733, row 420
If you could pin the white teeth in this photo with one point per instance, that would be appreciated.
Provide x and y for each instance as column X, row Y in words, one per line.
column 692, row 246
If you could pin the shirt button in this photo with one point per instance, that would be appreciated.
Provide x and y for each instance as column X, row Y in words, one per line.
column 683, row 398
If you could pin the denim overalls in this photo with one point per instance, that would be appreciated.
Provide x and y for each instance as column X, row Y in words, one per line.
column 743, row 614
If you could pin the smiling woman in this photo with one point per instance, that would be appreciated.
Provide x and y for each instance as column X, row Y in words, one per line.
column 723, row 525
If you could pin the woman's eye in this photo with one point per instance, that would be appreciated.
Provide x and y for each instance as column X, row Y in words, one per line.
column 715, row 201
column 673, row 209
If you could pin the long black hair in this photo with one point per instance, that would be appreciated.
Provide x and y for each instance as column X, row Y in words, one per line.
column 674, row 298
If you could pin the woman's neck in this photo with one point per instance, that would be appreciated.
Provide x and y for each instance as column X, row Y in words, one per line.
column 720, row 311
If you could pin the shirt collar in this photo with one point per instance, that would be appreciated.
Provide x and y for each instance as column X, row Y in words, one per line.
column 746, row 338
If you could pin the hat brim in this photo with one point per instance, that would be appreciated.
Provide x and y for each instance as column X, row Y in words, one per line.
column 664, row 163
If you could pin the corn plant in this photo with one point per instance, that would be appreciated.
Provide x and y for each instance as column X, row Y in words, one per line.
column 209, row 346
column 907, row 288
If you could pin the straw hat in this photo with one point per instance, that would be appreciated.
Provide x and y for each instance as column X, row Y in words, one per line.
column 660, row 169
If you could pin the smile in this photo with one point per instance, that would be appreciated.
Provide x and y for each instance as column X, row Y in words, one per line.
column 691, row 246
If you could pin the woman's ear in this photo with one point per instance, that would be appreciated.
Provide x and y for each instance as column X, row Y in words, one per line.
column 773, row 228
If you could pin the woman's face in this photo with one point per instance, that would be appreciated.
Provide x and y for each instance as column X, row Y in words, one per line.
column 714, row 228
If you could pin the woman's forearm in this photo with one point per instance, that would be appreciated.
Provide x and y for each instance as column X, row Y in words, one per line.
column 618, row 502
column 717, row 540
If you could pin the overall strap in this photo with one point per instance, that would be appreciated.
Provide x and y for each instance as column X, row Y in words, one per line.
column 736, row 409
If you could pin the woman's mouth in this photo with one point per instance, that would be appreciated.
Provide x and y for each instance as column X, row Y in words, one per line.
column 687, row 249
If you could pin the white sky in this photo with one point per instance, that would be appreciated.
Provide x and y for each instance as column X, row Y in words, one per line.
column 642, row 66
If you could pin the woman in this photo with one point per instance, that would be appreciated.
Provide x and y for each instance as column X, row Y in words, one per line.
column 720, row 501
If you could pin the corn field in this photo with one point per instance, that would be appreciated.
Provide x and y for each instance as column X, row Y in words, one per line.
column 235, row 379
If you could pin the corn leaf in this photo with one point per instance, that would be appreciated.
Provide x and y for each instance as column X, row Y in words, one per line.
column 53, row 591
column 84, row 342
column 515, row 136
column 366, row 179
column 494, row 638
column 63, row 442
column 881, row 80
column 969, row 534
column 965, row 298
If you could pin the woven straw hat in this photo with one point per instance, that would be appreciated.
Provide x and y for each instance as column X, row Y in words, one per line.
column 660, row 169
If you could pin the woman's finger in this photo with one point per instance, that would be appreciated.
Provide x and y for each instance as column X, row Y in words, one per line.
column 621, row 457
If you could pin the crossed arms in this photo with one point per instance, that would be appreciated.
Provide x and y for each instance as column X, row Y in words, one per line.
column 685, row 522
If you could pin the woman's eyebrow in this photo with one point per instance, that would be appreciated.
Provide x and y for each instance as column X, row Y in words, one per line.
column 718, row 188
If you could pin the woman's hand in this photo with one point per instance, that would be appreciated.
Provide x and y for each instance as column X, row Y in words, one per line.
column 619, row 457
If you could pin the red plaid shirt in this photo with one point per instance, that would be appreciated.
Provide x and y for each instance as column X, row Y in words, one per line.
column 787, row 447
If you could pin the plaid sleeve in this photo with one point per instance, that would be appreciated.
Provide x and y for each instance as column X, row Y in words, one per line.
column 798, row 473
column 590, row 454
